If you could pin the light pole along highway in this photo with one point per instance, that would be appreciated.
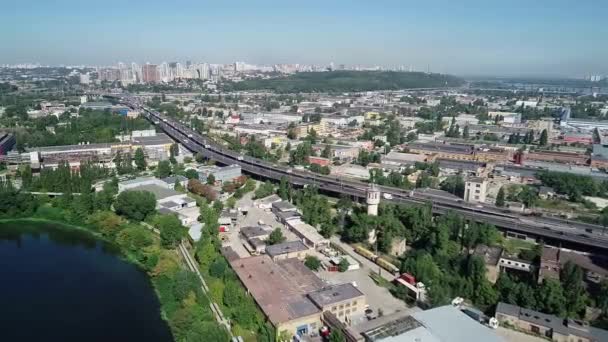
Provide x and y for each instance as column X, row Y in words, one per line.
column 557, row 232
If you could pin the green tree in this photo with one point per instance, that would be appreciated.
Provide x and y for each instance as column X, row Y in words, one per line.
column 234, row 296
column 326, row 153
column 264, row 190
column 135, row 205
column 140, row 159
column 163, row 169
column 107, row 223
column 218, row 268
column 191, row 174
column 312, row 136
column 275, row 237
column 231, row 202
column 528, row 196
column 454, row 185
column 363, row 158
column 301, row 154
column 571, row 277
column 211, row 179
column 26, row 176
column 312, row 262
column 174, row 150
column 544, row 138
column 206, row 331
column 134, row 238
column 424, row 180
column 602, row 298
column 411, row 136
column 284, row 189
column 550, row 296
column 337, row 336
column 465, row 132
column 285, row 336
column 343, row 265
column 500, row 197
column 171, row 230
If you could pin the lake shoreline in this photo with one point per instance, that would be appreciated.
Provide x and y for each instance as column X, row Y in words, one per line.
column 34, row 225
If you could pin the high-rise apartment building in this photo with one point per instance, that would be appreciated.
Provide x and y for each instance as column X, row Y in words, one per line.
column 149, row 73
column 202, row 71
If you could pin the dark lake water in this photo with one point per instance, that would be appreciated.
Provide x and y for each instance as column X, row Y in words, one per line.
column 58, row 284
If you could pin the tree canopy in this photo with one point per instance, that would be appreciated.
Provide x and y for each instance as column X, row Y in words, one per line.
column 135, row 205
column 348, row 81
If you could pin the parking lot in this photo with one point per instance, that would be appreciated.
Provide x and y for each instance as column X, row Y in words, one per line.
column 377, row 296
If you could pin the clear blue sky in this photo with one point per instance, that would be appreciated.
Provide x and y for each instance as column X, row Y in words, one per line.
column 486, row 37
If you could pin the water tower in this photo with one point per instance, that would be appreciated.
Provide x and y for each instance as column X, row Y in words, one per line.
column 372, row 200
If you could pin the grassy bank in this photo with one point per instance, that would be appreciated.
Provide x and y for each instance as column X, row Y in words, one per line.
column 182, row 303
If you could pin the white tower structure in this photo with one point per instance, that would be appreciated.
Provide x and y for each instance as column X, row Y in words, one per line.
column 373, row 199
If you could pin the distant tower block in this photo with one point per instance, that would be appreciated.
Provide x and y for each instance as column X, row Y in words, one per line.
column 373, row 199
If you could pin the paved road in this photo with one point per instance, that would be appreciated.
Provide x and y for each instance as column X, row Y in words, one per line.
column 366, row 263
column 198, row 143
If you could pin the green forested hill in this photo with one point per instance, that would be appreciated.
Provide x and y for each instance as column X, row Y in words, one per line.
column 347, row 81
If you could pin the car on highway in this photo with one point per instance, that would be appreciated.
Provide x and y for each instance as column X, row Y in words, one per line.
column 387, row 196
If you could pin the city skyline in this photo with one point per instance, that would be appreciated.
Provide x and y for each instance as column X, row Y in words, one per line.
column 471, row 38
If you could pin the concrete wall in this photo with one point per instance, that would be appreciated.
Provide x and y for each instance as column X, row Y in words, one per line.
column 300, row 255
column 345, row 310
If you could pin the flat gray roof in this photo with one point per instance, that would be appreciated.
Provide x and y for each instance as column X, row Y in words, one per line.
column 171, row 180
column 334, row 294
column 169, row 204
column 448, row 324
column 459, row 164
column 436, row 147
column 396, row 327
column 137, row 180
column 228, row 213
column 270, row 199
column 287, row 214
column 286, row 247
column 159, row 192
column 68, row 148
column 284, row 206
column 254, row 231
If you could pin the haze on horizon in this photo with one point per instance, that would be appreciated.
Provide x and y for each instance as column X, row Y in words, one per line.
column 469, row 37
